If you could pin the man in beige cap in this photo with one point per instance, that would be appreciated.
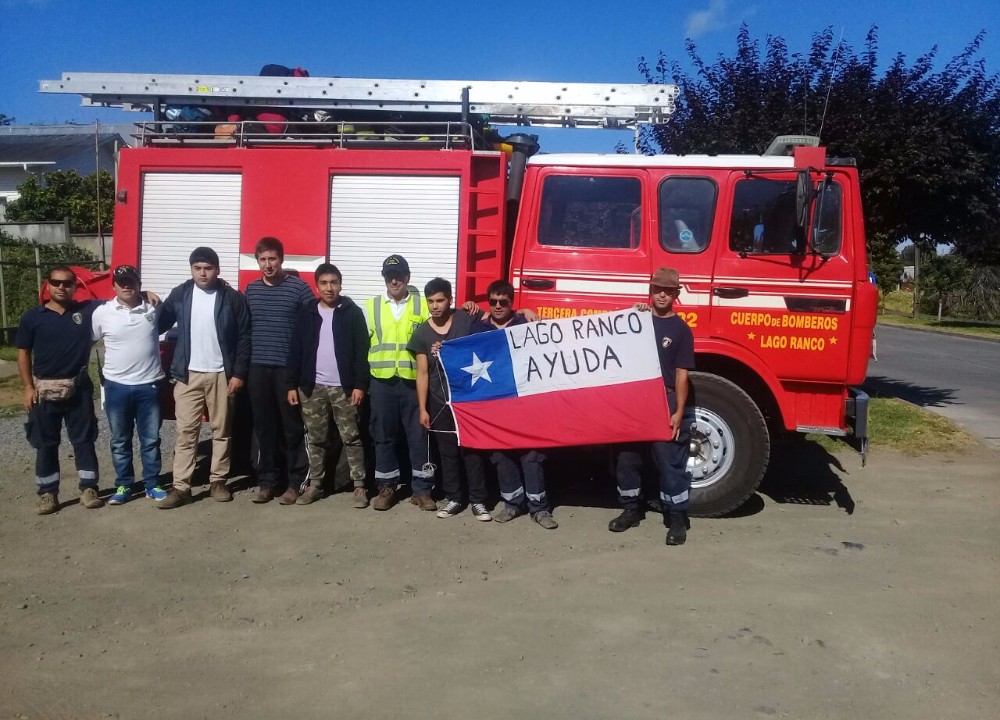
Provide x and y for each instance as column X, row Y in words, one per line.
column 675, row 346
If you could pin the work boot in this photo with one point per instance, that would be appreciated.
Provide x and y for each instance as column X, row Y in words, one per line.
column 89, row 499
column 677, row 532
column 219, row 491
column 507, row 513
column 545, row 519
column 175, row 498
column 311, row 495
column 263, row 495
column 424, row 502
column 48, row 503
column 628, row 519
column 386, row 498
column 360, row 500
column 289, row 497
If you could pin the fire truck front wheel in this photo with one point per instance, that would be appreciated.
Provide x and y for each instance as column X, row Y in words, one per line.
column 730, row 445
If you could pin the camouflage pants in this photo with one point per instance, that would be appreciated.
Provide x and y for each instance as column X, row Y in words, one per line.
column 325, row 403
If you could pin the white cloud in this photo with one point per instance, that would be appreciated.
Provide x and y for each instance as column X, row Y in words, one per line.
column 714, row 17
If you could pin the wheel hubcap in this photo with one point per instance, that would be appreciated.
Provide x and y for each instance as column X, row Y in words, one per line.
column 712, row 444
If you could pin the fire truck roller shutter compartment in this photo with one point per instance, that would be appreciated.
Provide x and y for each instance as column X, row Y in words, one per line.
column 374, row 216
column 181, row 211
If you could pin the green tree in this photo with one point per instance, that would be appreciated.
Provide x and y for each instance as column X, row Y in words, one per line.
column 927, row 140
column 64, row 193
column 886, row 263
column 942, row 277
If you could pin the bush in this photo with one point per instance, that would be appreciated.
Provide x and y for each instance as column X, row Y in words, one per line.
column 19, row 273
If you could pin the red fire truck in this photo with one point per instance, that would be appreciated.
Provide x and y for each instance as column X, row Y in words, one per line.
column 770, row 248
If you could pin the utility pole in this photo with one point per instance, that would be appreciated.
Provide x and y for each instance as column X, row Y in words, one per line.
column 916, row 280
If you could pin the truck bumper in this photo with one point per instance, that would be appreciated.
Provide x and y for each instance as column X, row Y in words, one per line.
column 856, row 410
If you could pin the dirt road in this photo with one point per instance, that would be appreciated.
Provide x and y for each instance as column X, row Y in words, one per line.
column 794, row 609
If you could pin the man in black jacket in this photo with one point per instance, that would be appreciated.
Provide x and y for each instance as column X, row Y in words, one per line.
column 328, row 374
column 210, row 366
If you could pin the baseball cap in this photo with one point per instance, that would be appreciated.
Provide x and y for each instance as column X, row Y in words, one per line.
column 666, row 278
column 395, row 264
column 124, row 273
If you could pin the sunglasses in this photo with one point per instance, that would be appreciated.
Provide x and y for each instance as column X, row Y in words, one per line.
column 500, row 302
column 62, row 283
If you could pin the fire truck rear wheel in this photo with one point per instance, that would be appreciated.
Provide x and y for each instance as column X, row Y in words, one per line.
column 730, row 445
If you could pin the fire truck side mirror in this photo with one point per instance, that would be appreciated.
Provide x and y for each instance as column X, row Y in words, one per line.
column 803, row 200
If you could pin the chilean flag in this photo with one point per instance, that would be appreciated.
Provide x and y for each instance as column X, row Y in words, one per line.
column 583, row 380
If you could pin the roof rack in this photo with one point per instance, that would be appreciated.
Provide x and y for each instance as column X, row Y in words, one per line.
column 543, row 104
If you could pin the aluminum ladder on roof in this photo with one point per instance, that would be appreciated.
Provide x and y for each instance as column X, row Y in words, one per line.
column 545, row 104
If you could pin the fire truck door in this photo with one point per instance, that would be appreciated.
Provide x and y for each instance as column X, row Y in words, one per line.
column 786, row 301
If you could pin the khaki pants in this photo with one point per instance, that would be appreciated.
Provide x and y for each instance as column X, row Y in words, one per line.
column 203, row 393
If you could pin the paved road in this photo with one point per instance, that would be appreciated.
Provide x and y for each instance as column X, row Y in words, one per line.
column 954, row 376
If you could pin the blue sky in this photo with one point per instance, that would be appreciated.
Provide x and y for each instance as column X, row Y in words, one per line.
column 579, row 41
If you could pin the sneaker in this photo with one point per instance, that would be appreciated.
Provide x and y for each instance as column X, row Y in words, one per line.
column 89, row 499
column 545, row 519
column 386, row 498
column 360, row 498
column 507, row 513
column 219, row 492
column 450, row 509
column 121, row 496
column 628, row 519
column 48, row 503
column 311, row 495
column 174, row 499
column 480, row 512
column 157, row 494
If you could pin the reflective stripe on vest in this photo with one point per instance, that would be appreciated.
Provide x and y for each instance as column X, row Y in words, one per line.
column 387, row 356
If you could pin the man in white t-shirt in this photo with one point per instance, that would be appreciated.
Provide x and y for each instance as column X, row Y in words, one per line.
column 132, row 374
column 210, row 365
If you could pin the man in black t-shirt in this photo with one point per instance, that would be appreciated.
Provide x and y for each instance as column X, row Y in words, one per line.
column 675, row 346
column 53, row 341
column 520, row 473
column 445, row 323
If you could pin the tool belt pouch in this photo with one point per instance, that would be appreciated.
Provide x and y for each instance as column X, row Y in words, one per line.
column 58, row 390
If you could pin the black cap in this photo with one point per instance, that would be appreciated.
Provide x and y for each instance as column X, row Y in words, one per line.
column 204, row 255
column 395, row 264
column 124, row 273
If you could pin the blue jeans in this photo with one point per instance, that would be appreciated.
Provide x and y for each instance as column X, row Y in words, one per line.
column 134, row 407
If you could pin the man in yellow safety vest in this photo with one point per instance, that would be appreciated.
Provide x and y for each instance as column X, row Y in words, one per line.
column 392, row 317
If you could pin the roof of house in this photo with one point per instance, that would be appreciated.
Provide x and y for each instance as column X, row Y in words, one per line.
column 50, row 148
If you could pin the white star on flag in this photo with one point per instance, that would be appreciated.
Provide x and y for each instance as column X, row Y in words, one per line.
column 479, row 369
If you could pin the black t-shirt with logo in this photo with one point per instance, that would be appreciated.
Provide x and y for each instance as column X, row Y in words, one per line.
column 59, row 343
column 675, row 346
column 424, row 337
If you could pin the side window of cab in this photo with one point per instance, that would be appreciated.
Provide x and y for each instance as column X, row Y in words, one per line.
column 582, row 211
column 687, row 207
column 764, row 219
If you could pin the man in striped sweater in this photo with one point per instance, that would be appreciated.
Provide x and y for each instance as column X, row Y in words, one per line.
column 274, row 302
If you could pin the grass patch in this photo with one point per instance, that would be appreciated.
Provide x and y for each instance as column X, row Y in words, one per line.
column 968, row 328
column 897, row 306
column 900, row 426
column 8, row 352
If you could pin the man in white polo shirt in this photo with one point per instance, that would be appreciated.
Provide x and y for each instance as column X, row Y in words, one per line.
column 132, row 372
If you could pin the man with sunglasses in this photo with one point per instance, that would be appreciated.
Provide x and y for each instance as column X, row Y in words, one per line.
column 392, row 317
column 675, row 346
column 53, row 341
column 133, row 372
column 520, row 473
